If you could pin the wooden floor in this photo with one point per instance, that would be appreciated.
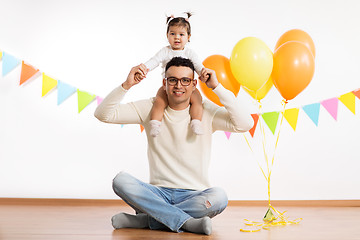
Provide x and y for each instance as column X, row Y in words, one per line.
column 75, row 221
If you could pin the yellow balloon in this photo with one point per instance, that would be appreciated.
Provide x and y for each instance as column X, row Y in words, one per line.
column 262, row 92
column 251, row 63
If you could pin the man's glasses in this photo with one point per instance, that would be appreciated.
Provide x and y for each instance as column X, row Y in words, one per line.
column 172, row 81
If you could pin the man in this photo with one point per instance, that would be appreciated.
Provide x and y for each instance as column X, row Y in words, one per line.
column 178, row 196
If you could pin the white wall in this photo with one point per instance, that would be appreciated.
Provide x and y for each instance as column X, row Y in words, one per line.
column 50, row 151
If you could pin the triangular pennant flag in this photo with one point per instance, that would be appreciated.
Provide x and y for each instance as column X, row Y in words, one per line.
column 48, row 84
column 227, row 134
column 348, row 100
column 122, row 125
column 9, row 63
column 312, row 110
column 27, row 71
column 256, row 119
column 64, row 91
column 291, row 115
column 271, row 119
column 84, row 99
column 99, row 100
column 357, row 93
column 141, row 128
column 331, row 105
column 0, row 55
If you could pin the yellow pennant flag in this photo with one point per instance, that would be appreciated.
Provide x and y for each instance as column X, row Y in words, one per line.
column 348, row 100
column 291, row 115
column 48, row 84
column 0, row 55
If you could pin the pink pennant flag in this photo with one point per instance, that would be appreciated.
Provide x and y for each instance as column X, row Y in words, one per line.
column 99, row 100
column 331, row 105
column 227, row 134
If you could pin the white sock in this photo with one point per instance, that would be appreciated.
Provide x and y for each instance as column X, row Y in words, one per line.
column 155, row 128
column 198, row 225
column 124, row 220
column 196, row 127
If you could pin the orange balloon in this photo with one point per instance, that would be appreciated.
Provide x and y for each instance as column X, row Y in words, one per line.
column 294, row 67
column 221, row 66
column 299, row 36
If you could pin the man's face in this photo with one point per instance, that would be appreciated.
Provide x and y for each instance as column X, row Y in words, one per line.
column 179, row 95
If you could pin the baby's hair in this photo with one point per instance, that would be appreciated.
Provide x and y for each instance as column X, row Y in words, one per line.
column 179, row 21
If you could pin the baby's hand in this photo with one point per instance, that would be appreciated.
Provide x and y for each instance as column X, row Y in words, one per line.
column 141, row 73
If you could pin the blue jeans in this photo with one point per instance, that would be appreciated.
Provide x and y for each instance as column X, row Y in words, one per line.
column 168, row 207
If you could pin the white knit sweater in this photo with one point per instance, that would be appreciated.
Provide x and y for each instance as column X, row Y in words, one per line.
column 177, row 157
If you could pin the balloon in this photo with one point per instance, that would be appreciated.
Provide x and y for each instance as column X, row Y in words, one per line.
column 294, row 67
column 299, row 36
column 221, row 66
column 251, row 63
column 261, row 93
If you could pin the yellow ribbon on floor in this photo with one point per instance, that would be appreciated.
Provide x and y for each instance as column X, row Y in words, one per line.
column 276, row 218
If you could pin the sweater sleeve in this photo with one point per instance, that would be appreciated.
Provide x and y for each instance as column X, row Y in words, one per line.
column 112, row 111
column 234, row 116
column 196, row 61
column 155, row 61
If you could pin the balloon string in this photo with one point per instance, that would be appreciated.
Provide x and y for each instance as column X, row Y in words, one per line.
column 277, row 218
column 253, row 153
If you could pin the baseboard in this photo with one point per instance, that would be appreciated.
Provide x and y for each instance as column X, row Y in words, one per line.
column 238, row 203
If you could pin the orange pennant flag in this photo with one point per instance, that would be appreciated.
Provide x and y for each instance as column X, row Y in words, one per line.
column 357, row 93
column 27, row 71
column 141, row 128
column 256, row 119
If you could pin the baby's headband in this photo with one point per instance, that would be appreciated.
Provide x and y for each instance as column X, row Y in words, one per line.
column 184, row 15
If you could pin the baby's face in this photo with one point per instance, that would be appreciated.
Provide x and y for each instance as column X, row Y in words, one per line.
column 178, row 37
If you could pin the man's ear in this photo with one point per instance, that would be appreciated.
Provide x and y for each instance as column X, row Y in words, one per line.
column 164, row 84
column 194, row 83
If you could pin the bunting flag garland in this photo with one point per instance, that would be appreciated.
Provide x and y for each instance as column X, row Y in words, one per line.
column 48, row 84
column 64, row 91
column 291, row 115
column 271, row 119
column 331, row 105
column 256, row 119
column 348, row 100
column 27, row 71
column 312, row 110
column 9, row 62
column 84, row 99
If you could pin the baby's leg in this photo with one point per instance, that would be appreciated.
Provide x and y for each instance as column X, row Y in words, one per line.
column 196, row 112
column 157, row 112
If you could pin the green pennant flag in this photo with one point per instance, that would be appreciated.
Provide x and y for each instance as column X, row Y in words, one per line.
column 84, row 99
column 271, row 119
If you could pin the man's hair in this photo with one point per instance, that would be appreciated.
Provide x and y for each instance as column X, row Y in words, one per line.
column 180, row 62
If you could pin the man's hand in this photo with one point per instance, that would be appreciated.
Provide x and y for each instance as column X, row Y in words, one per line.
column 208, row 77
column 135, row 76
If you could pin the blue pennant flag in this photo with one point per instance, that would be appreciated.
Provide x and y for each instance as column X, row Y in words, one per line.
column 312, row 110
column 64, row 91
column 9, row 63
